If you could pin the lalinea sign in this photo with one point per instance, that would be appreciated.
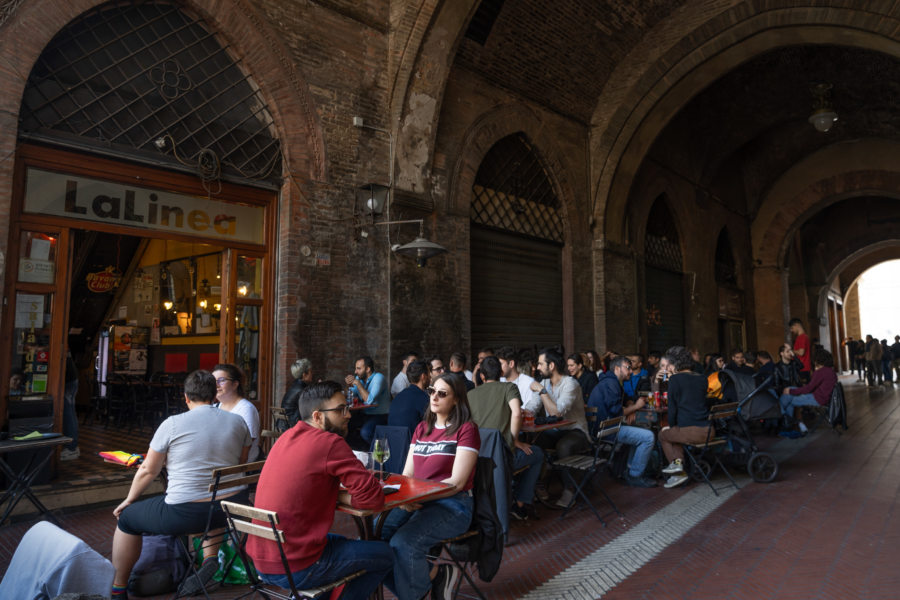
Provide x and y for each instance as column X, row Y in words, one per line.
column 63, row 195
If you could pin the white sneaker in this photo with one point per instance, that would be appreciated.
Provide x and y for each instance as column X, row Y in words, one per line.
column 566, row 498
column 675, row 466
column 67, row 454
column 803, row 428
column 676, row 480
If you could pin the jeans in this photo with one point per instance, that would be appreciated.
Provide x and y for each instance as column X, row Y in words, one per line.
column 367, row 432
column 789, row 403
column 342, row 557
column 412, row 534
column 525, row 481
column 70, row 417
column 873, row 371
column 642, row 442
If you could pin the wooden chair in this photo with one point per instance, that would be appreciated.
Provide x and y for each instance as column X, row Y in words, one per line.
column 603, row 444
column 223, row 478
column 240, row 519
column 704, row 458
column 280, row 421
column 267, row 438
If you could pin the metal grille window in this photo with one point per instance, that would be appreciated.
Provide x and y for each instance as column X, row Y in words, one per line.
column 726, row 271
column 146, row 76
column 661, row 247
column 513, row 192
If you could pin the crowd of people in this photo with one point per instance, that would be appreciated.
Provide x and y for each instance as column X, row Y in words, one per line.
column 442, row 408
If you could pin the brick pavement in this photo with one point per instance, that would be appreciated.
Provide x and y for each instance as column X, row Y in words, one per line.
column 825, row 529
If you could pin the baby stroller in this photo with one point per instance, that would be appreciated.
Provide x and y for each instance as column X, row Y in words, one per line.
column 738, row 447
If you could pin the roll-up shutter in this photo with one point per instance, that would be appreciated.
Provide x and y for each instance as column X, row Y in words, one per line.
column 665, row 309
column 516, row 290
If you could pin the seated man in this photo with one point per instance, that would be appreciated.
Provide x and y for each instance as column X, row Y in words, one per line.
column 190, row 444
column 815, row 393
column 688, row 414
column 371, row 388
column 739, row 364
column 408, row 407
column 607, row 397
column 561, row 397
column 300, row 481
column 639, row 381
column 497, row 405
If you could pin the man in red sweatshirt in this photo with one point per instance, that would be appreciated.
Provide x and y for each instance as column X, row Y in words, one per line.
column 300, row 481
column 815, row 393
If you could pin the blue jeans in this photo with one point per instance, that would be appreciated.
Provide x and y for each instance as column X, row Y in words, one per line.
column 342, row 557
column 789, row 403
column 70, row 417
column 412, row 535
column 525, row 482
column 641, row 440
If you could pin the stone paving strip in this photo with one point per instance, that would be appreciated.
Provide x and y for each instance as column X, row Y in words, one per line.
column 604, row 569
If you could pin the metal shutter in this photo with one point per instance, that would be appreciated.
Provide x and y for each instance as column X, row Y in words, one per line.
column 516, row 290
column 665, row 309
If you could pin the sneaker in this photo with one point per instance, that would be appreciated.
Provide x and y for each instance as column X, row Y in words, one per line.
column 541, row 493
column 445, row 582
column 67, row 454
column 519, row 513
column 676, row 480
column 675, row 466
column 639, row 481
column 803, row 428
column 565, row 498
column 192, row 585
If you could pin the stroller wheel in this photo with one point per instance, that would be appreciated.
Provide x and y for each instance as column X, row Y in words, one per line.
column 702, row 468
column 762, row 467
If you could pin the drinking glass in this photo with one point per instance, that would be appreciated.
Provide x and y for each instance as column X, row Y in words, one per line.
column 380, row 453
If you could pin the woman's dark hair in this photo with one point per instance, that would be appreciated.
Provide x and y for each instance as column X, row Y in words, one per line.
column 680, row 357
column 823, row 357
column 200, row 386
column 460, row 414
column 576, row 358
column 315, row 395
column 235, row 374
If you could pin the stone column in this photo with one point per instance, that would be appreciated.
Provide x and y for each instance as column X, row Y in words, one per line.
column 770, row 306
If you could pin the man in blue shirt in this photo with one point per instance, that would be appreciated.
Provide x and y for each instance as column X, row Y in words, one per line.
column 372, row 389
column 607, row 397
column 638, row 379
column 408, row 407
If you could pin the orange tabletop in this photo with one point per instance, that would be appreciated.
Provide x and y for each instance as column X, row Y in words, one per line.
column 546, row 426
column 412, row 491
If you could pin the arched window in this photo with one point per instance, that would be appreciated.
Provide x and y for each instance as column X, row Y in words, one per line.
column 149, row 81
column 664, row 300
column 725, row 269
column 516, row 239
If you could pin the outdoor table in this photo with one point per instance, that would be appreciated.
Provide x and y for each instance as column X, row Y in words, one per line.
column 412, row 490
column 19, row 485
column 361, row 406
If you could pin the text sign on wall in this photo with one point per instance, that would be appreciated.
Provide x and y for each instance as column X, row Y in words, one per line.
column 51, row 193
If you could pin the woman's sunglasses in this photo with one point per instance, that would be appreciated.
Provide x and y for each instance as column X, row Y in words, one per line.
column 440, row 393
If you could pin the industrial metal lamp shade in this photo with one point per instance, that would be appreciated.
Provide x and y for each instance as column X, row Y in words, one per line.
column 420, row 249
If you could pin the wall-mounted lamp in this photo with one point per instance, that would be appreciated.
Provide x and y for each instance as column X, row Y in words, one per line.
column 373, row 198
column 420, row 248
column 168, row 304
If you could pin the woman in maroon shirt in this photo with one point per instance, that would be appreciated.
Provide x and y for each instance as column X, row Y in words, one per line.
column 444, row 448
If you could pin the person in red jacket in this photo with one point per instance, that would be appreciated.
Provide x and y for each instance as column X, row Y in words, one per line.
column 815, row 393
column 300, row 481
column 802, row 348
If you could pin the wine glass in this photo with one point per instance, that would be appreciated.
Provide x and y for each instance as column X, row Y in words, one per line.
column 386, row 450
column 378, row 454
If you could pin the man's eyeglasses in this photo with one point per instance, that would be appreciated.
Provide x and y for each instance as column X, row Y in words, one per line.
column 222, row 380
column 437, row 370
column 345, row 410
column 440, row 393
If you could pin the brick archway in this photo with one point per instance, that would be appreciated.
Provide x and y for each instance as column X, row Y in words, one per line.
column 480, row 138
column 832, row 174
column 34, row 24
column 645, row 93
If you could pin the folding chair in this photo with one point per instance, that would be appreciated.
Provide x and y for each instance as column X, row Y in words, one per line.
column 468, row 550
column 223, row 478
column 280, row 421
column 267, row 439
column 603, row 444
column 834, row 413
column 240, row 519
column 701, row 467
